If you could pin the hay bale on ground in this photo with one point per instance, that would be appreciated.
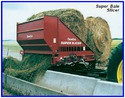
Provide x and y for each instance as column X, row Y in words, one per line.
column 71, row 17
column 99, row 38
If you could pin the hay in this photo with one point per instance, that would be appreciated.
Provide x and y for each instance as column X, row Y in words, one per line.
column 71, row 17
column 29, row 67
column 99, row 38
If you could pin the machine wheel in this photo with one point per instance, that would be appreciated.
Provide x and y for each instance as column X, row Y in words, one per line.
column 114, row 66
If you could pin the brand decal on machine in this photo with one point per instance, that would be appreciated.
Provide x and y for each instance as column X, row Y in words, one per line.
column 29, row 36
column 70, row 41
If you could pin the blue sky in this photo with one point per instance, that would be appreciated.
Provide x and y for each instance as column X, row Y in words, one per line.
column 19, row 12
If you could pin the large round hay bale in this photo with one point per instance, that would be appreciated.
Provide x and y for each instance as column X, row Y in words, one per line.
column 99, row 38
column 71, row 17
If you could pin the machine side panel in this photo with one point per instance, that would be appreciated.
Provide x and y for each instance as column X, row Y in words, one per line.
column 50, row 32
column 67, row 38
column 30, row 26
column 31, row 35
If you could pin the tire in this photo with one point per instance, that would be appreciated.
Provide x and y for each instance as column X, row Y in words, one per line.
column 114, row 66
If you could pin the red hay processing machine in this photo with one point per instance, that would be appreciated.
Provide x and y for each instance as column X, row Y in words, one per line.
column 50, row 36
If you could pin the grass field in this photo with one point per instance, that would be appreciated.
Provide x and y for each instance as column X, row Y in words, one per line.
column 115, row 43
column 11, row 45
column 14, row 49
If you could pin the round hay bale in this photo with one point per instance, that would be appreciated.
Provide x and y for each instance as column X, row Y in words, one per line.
column 99, row 38
column 71, row 17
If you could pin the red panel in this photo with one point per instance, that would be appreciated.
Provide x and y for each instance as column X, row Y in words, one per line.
column 31, row 35
column 50, row 32
column 34, row 45
column 67, row 38
column 30, row 26
column 37, row 52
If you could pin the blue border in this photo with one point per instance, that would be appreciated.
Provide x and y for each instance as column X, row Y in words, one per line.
column 62, row 1
column 123, row 47
column 57, row 2
column 1, row 48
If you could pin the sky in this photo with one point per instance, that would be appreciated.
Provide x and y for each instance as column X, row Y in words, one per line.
column 14, row 12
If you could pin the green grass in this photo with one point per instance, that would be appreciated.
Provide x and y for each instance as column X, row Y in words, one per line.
column 11, row 45
column 115, row 43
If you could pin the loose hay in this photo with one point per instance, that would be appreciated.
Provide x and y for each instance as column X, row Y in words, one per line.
column 29, row 67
